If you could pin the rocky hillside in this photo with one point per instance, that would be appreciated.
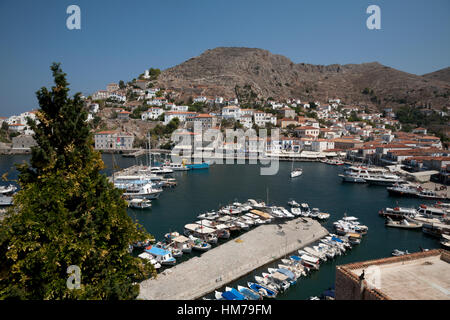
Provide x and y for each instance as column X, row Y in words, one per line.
column 442, row 75
column 255, row 74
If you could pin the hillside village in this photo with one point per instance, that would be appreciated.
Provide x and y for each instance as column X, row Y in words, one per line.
column 125, row 117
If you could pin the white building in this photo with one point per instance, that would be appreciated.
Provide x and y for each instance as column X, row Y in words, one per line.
column 231, row 112
column 262, row 118
column 182, row 116
column 152, row 113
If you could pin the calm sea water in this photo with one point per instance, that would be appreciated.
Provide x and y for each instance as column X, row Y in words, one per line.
column 199, row 191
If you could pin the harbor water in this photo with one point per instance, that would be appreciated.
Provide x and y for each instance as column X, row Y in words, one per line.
column 199, row 191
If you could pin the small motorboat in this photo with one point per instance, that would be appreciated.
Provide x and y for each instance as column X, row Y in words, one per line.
column 137, row 203
column 404, row 223
column 296, row 172
column 397, row 253
column 236, row 293
column 262, row 290
column 249, row 293
column 200, row 245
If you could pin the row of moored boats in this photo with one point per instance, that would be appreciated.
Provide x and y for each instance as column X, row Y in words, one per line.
column 211, row 226
column 290, row 269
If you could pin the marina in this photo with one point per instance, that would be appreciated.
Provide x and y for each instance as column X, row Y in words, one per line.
column 199, row 191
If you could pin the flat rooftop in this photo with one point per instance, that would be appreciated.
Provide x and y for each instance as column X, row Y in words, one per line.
column 411, row 277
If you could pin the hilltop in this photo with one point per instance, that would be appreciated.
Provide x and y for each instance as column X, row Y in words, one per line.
column 256, row 74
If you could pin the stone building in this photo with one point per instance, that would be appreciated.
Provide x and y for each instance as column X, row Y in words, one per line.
column 417, row 276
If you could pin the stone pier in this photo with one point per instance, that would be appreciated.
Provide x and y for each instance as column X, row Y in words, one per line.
column 227, row 262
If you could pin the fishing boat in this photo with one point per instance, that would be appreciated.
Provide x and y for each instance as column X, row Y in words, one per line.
column 137, row 203
column 199, row 245
column 267, row 283
column 279, row 279
column 151, row 259
column 249, row 293
column 405, row 224
column 236, row 293
column 161, row 255
column 182, row 243
column 262, row 290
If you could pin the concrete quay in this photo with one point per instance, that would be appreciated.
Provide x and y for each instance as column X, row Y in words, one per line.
column 213, row 269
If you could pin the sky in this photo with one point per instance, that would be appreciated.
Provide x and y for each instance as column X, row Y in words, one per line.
column 119, row 39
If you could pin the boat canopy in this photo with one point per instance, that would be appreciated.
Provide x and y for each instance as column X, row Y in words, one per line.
column 229, row 295
column 224, row 219
column 261, row 214
column 287, row 273
column 336, row 239
column 354, row 235
column 157, row 251
column 279, row 276
column 181, row 239
column 198, row 228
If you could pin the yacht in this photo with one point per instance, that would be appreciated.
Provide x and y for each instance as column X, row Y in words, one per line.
column 141, row 190
column 385, row 179
column 359, row 174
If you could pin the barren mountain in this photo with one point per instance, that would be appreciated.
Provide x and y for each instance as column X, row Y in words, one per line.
column 256, row 74
column 442, row 75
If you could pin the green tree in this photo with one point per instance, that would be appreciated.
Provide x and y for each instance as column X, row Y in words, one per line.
column 67, row 213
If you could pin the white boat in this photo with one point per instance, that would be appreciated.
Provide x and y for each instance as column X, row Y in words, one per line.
column 296, row 211
column 161, row 170
column 267, row 283
column 249, row 293
column 404, row 224
column 397, row 252
column 178, row 167
column 138, row 203
column 182, row 243
column 294, row 204
column 218, row 295
column 139, row 189
column 161, row 255
column 359, row 174
column 278, row 279
column 149, row 257
column 257, row 205
column 384, row 179
column 7, row 190
column 296, row 172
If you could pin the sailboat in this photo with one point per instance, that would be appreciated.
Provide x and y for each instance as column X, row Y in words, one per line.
column 295, row 172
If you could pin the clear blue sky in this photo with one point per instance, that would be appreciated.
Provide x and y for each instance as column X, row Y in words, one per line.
column 119, row 39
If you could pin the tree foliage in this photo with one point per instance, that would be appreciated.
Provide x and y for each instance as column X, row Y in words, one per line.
column 67, row 213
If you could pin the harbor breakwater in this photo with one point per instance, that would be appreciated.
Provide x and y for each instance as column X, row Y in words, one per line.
column 198, row 276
